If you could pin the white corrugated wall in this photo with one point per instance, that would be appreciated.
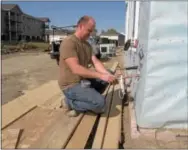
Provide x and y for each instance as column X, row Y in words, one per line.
column 161, row 93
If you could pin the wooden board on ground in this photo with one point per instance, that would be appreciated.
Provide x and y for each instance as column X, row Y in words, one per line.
column 99, row 136
column 43, row 128
column 113, row 68
column 33, row 124
column 133, row 126
column 80, row 136
column 10, row 138
column 57, row 103
column 79, row 139
column 23, row 104
column 55, row 136
column 84, row 129
column 112, row 135
column 58, row 134
column 54, row 102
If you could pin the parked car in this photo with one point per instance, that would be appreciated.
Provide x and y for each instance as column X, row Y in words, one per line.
column 54, row 53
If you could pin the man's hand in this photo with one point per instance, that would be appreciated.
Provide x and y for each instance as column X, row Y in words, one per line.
column 108, row 78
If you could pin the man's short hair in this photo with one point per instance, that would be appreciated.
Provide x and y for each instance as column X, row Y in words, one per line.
column 83, row 20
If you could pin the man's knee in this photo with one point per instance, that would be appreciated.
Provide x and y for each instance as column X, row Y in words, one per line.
column 99, row 105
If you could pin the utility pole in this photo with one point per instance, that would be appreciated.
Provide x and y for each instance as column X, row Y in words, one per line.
column 9, row 23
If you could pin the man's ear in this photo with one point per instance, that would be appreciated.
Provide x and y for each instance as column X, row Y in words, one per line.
column 81, row 26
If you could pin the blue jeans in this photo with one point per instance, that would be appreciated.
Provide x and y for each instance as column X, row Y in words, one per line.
column 84, row 99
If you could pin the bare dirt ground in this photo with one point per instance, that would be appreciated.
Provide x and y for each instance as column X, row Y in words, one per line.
column 25, row 71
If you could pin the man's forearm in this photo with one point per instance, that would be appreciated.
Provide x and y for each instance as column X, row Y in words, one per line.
column 100, row 67
column 86, row 73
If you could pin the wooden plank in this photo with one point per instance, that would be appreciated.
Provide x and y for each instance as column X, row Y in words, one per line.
column 34, row 125
column 84, row 129
column 48, row 102
column 57, row 103
column 111, row 139
column 54, row 102
column 99, row 136
column 58, row 134
column 133, row 125
column 10, row 138
column 26, row 102
column 82, row 133
column 113, row 68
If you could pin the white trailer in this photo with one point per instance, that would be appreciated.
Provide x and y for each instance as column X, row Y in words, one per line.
column 107, row 49
column 160, row 93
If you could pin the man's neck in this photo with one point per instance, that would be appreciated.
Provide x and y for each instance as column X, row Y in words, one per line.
column 77, row 35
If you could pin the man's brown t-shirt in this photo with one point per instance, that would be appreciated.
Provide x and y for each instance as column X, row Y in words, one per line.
column 73, row 47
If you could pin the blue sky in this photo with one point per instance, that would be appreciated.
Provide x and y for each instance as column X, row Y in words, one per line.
column 108, row 14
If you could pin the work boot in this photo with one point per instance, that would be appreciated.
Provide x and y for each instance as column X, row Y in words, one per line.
column 70, row 112
column 65, row 105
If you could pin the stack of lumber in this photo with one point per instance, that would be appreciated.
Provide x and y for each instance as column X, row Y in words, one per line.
column 35, row 120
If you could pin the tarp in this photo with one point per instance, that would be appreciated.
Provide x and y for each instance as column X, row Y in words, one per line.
column 161, row 94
